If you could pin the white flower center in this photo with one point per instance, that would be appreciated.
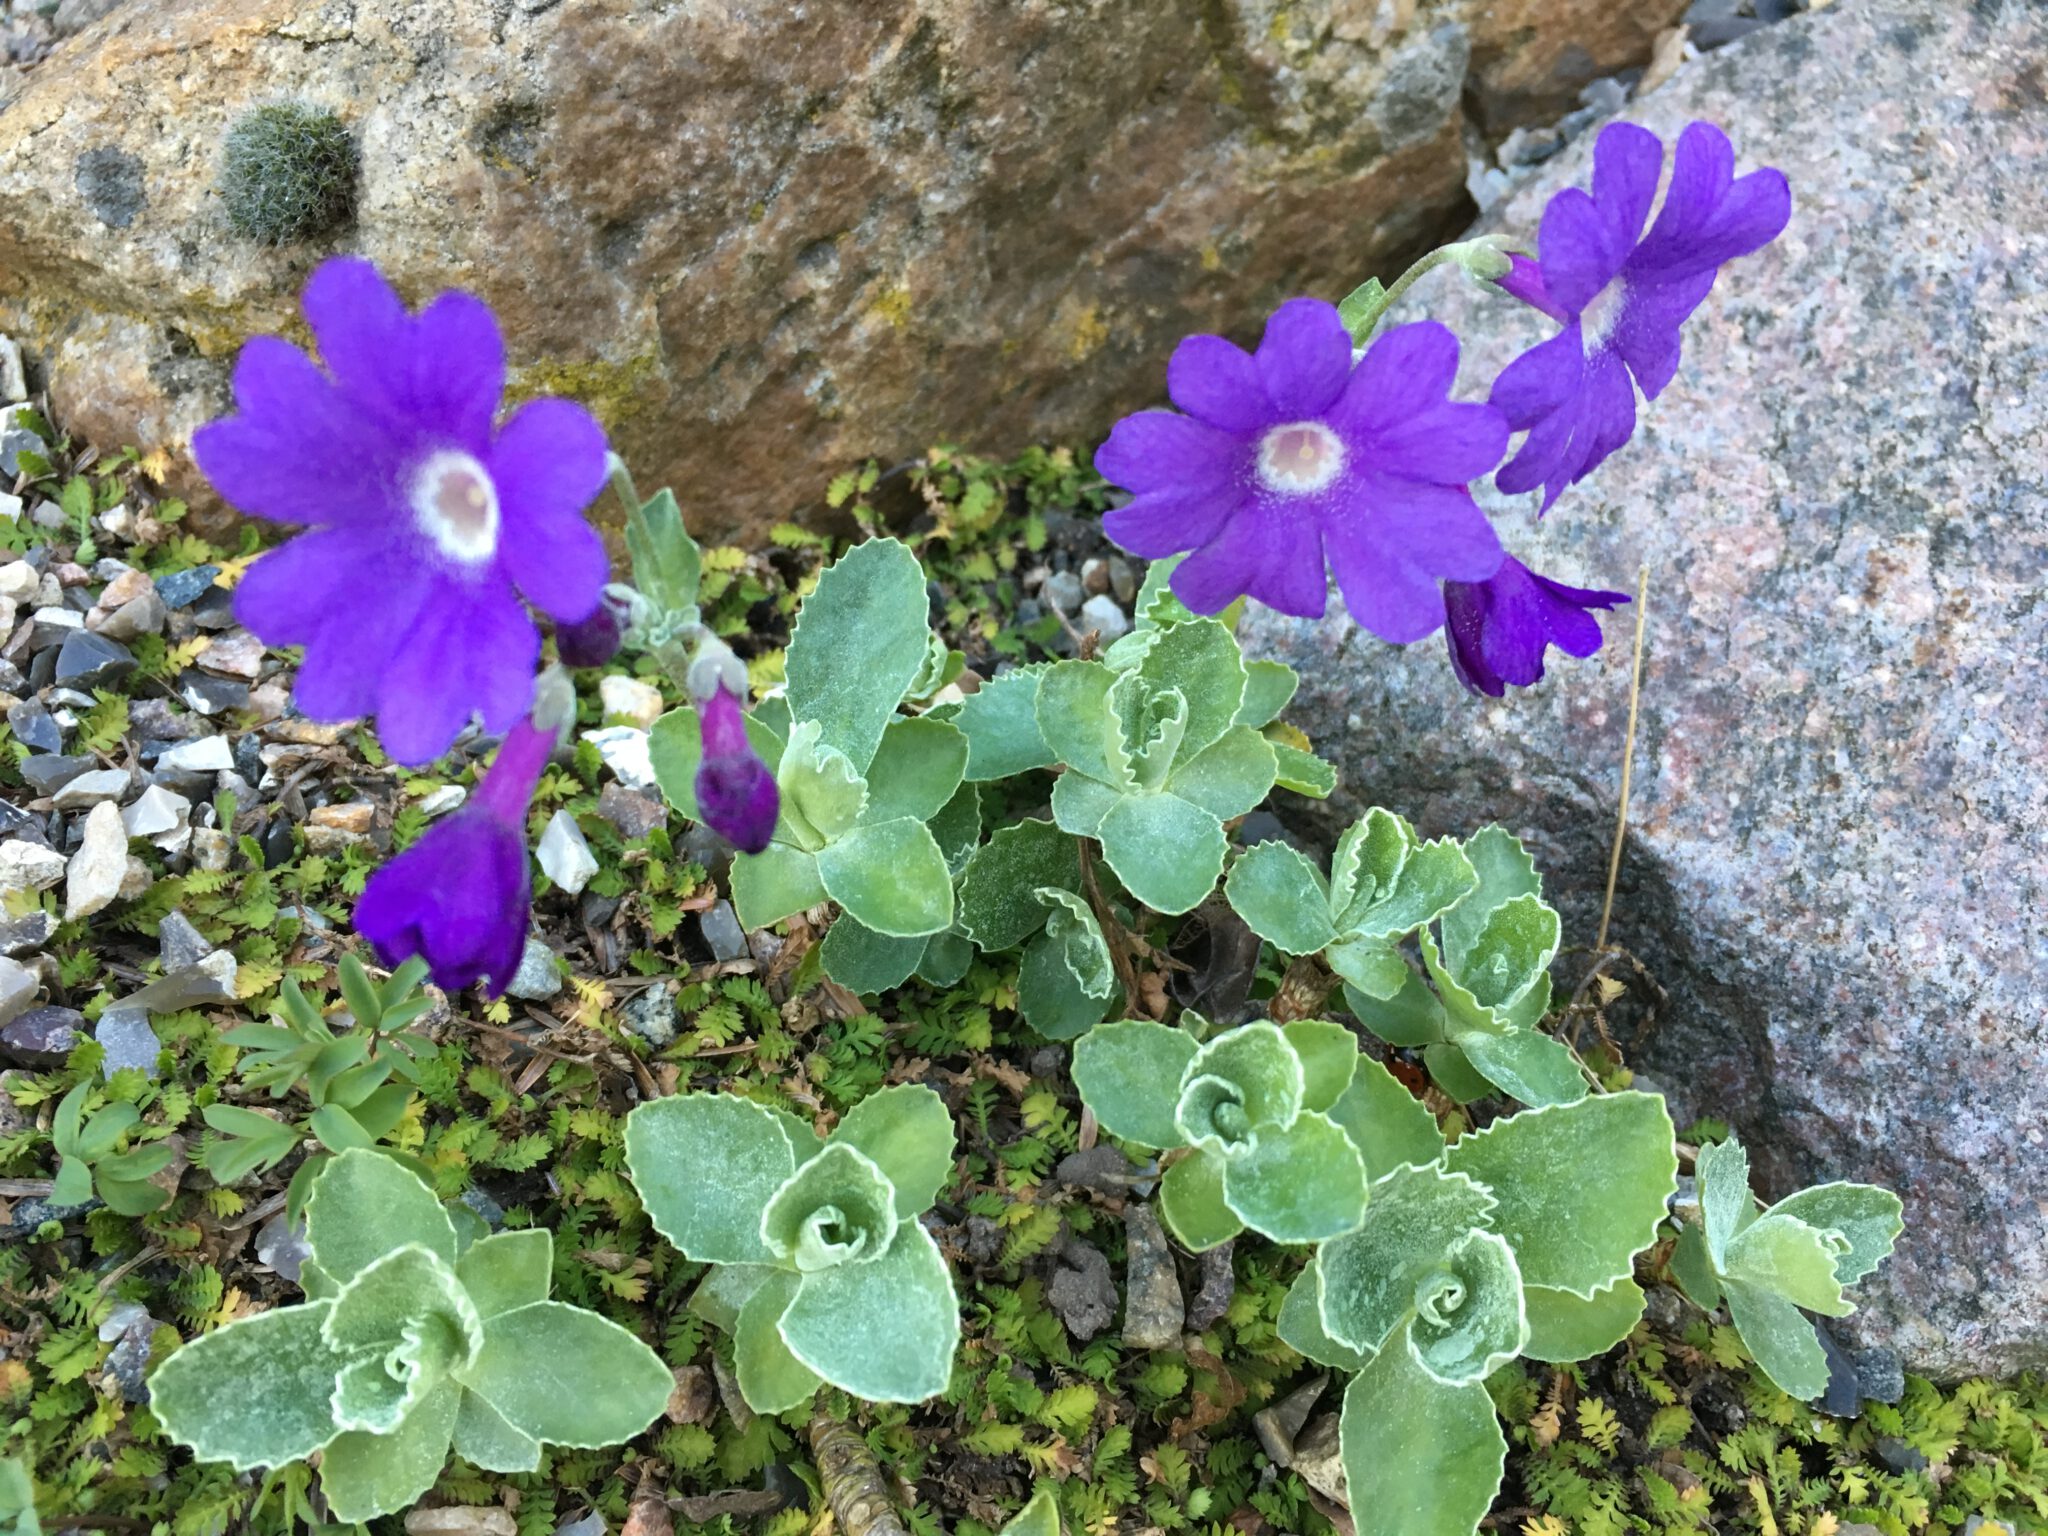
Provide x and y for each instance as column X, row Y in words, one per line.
column 457, row 506
column 1300, row 458
column 1601, row 316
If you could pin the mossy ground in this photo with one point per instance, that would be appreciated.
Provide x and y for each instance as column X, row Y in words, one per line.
column 521, row 1105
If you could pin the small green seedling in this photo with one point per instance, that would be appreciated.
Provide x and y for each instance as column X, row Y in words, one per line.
column 88, row 1163
column 1801, row 1252
column 824, row 1273
column 410, row 1340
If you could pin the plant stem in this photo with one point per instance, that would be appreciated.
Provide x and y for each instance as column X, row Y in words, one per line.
column 855, row 1487
column 1628, row 759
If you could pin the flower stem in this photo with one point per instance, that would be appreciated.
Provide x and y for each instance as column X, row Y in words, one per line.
column 1483, row 258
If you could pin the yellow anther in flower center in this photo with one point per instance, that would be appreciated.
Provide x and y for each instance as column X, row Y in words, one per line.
column 1600, row 317
column 1300, row 458
column 457, row 506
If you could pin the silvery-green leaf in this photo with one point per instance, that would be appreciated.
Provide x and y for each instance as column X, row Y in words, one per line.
column 998, row 905
column 891, row 876
column 1228, row 777
column 1433, row 877
column 1329, row 1057
column 885, row 1330
column 1070, row 926
column 861, row 639
column 838, row 1209
column 1129, row 1073
column 1057, row 989
column 1300, row 1183
column 670, row 1145
column 1784, row 1255
column 822, row 792
column 1039, row 1517
column 1525, row 1065
column 916, row 770
column 1268, row 686
column 1074, row 717
column 255, row 1393
column 1423, row 1458
column 508, row 1270
column 1564, row 1327
column 485, row 1440
column 1580, row 1187
column 1080, row 804
column 772, row 1380
column 675, row 748
column 957, row 826
column 1410, row 1016
column 1693, row 1268
column 1368, row 859
column 566, row 1376
column 1166, row 852
column 1302, row 772
column 1780, row 1339
column 1199, row 658
column 1000, row 722
column 1301, row 1326
column 946, row 958
column 905, row 1131
column 1373, row 969
column 409, row 1315
column 1511, row 950
column 1413, row 1218
column 365, row 1475
column 773, row 884
column 1726, row 1205
column 1387, row 1123
column 1452, row 1071
column 1281, row 896
column 725, row 1290
column 1504, row 871
column 1148, row 722
column 1262, row 1071
column 1469, row 1320
column 861, row 960
column 363, row 1205
column 1868, row 1218
column 667, row 565
column 1192, row 1205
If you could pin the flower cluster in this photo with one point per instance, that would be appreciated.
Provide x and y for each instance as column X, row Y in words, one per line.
column 1306, row 454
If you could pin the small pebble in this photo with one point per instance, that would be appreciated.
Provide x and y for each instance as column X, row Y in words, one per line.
column 1123, row 580
column 209, row 754
column 1095, row 576
column 178, row 943
column 210, row 695
column 210, row 849
column 26, row 934
column 183, row 588
column 630, row 699
column 34, row 727
column 721, row 931
column 49, row 773
column 96, row 872
column 624, row 750
column 89, row 661
column 129, row 1042
column 155, row 812
column 87, row 790
column 27, row 866
column 282, row 1245
column 1102, row 615
column 236, row 655
column 652, row 1016
column 1063, row 591
column 633, row 811
column 538, row 978
column 18, row 988
column 42, row 1037
column 564, row 855
column 461, row 1520
column 440, row 802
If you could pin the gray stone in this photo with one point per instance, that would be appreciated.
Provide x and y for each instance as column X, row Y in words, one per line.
column 1835, row 858
column 1880, row 1373
column 178, row 943
column 42, row 1037
column 1153, row 1311
column 652, row 1016
column 26, row 934
column 30, row 1214
column 593, row 1524
column 27, row 866
column 181, row 589
column 721, row 930
column 1123, row 580
column 18, row 988
column 87, row 660
column 1101, row 1168
column 124, row 1033
column 210, row 979
column 537, row 978
column 1062, row 591
column 140, row 615
column 209, row 754
column 624, row 750
column 155, row 812
column 87, row 790
column 634, row 812
column 33, row 727
column 1102, row 615
column 13, row 377
column 47, row 774
column 1082, row 1291
column 282, row 1245
column 93, row 877
column 564, row 855
column 128, row 1327
column 15, row 440
column 210, row 695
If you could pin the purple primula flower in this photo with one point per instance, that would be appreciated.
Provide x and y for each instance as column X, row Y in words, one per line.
column 735, row 791
column 1621, row 295
column 458, row 897
column 1499, row 628
column 429, row 521
column 1293, row 455
column 593, row 641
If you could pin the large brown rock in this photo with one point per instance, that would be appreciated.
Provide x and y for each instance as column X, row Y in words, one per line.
column 1840, row 804
column 763, row 239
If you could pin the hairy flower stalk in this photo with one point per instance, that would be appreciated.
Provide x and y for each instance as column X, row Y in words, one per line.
column 458, row 898
column 735, row 790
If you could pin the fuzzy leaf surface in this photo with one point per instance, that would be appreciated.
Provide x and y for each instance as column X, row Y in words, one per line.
column 1868, row 1218
column 891, row 876
column 363, row 1205
column 999, row 908
column 1000, row 722
column 1424, row 1458
column 1414, row 1217
column 1301, row 1326
column 1387, row 1123
column 673, row 1147
column 918, row 766
column 1564, row 1327
column 365, row 1475
column 905, row 1131
column 885, row 1330
column 1301, row 1183
column 861, row 639
column 1282, row 896
column 1167, row 851
column 566, row 1376
column 255, row 1393
column 1129, row 1072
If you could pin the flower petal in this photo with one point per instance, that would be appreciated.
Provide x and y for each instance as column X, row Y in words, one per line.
column 288, row 595
column 548, row 465
column 1272, row 554
column 1524, row 280
column 1406, row 370
column 300, row 451
column 1543, row 453
column 1578, row 258
column 1450, row 443
column 1160, row 450
column 473, row 649
column 1218, row 382
column 1627, row 163
column 458, row 898
column 1702, row 170
column 1390, row 560
column 1304, row 358
column 361, row 327
column 1540, row 380
column 1162, row 523
column 455, row 373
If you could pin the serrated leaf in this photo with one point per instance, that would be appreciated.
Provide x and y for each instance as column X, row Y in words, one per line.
column 837, row 1209
column 1000, row 722
column 1469, row 1319
column 671, row 1142
column 1146, row 726
column 915, row 771
column 775, row 883
column 1512, row 949
column 507, row 1270
column 1300, row 1326
column 1782, row 1254
column 364, row 1476
column 1432, row 878
column 1425, row 1459
column 254, row 1393
column 1074, row 717
column 884, row 1330
column 1229, row 777
column 1524, row 1065
column 1166, row 852
column 1726, row 1204
column 363, row 1205
column 1301, row 771
column 1192, row 1205
column 1413, row 1218
column 1329, row 1057
column 1241, row 1081
column 1780, row 1339
column 1388, row 1124
column 905, row 1131
column 1869, row 1220
column 891, row 876
column 1301, row 1183
column 1268, row 686
column 771, row 1379
column 1282, row 897
column 1129, row 1072
column 1200, row 660
column 566, row 1376
column 485, row 1440
column 1080, row 804
column 860, row 640
column 1564, row 1327
column 864, row 961
column 1067, row 980
column 999, row 907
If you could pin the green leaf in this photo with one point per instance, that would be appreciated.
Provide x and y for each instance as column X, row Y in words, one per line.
column 862, row 960
column 1432, row 878
column 508, row 1270
column 1780, row 1339
column 675, row 748
column 1469, row 1320
column 254, row 1393
column 999, row 906
column 1268, row 686
column 773, row 884
column 885, row 1330
column 1510, row 952
column 1329, row 1057
column 1282, row 897
column 1726, row 1205
column 1129, row 1072
column 1080, row 804
column 669, row 1145
column 1409, row 1016
column 1191, row 1202
column 339, row 1130
column 1564, row 1327
column 1525, row 1065
column 892, row 877
column 1000, row 722
column 822, row 793
column 1302, row 772
column 1147, row 723
column 363, row 1205
column 1167, row 852
column 1868, row 1218
column 1074, row 718
column 1039, row 1517
column 861, row 639
column 772, row 1380
column 946, row 959
column 1360, row 311
column 905, row 1131
column 1425, row 1459
column 839, row 1208
column 667, row 564
column 404, row 1323
column 1504, row 871
column 1580, row 1187
column 1453, row 1073
column 1264, row 1079
column 365, row 1475
column 724, row 1292
column 566, row 1376
column 1387, row 1123
column 486, row 1441
column 1413, row 1219
column 1693, row 1268
column 1299, row 1184
column 1301, row 1326
column 1230, row 776
column 1783, row 1254
column 916, row 769
column 1372, row 969
column 1200, row 660
column 1067, row 981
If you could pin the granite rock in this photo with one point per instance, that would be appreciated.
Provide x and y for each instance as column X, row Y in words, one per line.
column 1841, row 778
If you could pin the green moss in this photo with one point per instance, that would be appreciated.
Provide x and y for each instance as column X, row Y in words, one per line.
column 288, row 173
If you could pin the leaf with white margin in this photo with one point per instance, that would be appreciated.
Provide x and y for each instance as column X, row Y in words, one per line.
column 1367, row 1277
column 484, row 1439
column 256, row 1393
column 1420, row 1458
column 1387, row 1123
column 364, row 1476
column 706, row 1164
column 1200, row 659
column 1147, row 723
column 822, row 793
column 885, row 1330
column 508, row 1270
column 864, row 961
column 1564, row 1327
column 1252, row 1067
column 1302, row 772
column 1300, row 1326
column 1192, row 1205
column 1329, row 1058
column 1129, row 1073
column 1268, row 687
column 1301, row 1183
column 892, row 877
column 1230, row 776
column 1784, row 1255
column 772, row 1380
column 839, row 1208
column 999, row 905
column 1067, row 980
column 1726, row 1205
column 1468, row 1319
column 906, row 1132
column 1410, row 1015
column 1282, row 897
column 363, row 1205
column 1524, row 1064
column 1780, row 1339
column 564, row 1375
column 1000, row 722
column 1580, row 1188
column 1074, row 718
column 775, row 883
column 1039, row 1517
column 1503, row 870
column 861, row 638
column 1868, row 1218
column 916, row 770
column 675, row 750
column 1167, row 852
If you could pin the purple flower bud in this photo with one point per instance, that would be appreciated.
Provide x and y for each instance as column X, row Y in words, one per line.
column 459, row 896
column 1499, row 628
column 591, row 643
column 735, row 791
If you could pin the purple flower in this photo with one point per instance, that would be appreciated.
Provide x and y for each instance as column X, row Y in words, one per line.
column 429, row 522
column 459, row 896
column 736, row 793
column 593, row 641
column 1293, row 454
column 1620, row 295
column 1499, row 628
